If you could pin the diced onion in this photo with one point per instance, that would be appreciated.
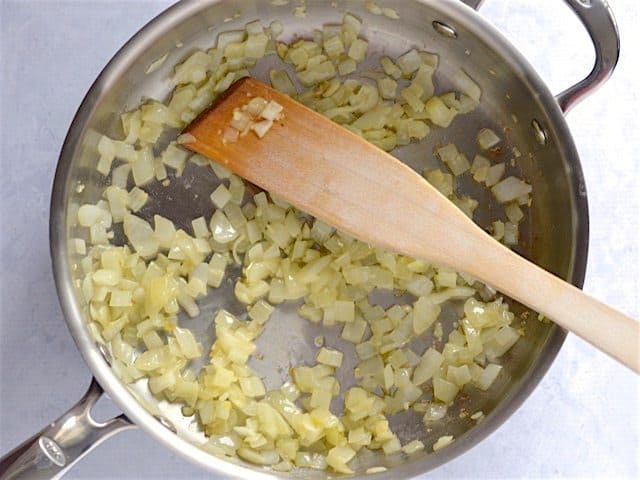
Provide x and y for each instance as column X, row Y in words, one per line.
column 487, row 139
column 510, row 189
column 442, row 442
column 330, row 357
column 139, row 291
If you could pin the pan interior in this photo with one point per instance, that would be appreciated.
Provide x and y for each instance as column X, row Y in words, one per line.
column 512, row 100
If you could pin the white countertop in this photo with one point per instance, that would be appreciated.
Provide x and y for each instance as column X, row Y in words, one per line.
column 582, row 420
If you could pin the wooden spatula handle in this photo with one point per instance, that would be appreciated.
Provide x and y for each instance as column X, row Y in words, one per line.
column 602, row 326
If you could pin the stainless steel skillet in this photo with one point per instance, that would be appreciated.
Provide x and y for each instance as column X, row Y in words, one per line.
column 556, row 237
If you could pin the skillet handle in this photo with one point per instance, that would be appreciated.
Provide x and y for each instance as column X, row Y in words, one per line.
column 475, row 4
column 597, row 18
column 50, row 453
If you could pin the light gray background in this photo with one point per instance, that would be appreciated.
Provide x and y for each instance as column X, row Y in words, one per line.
column 582, row 421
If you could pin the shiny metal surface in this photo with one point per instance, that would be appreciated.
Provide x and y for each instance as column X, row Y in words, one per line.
column 598, row 19
column 555, row 235
column 53, row 451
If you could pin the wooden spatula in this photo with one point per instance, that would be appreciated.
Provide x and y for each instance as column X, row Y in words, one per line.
column 340, row 178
